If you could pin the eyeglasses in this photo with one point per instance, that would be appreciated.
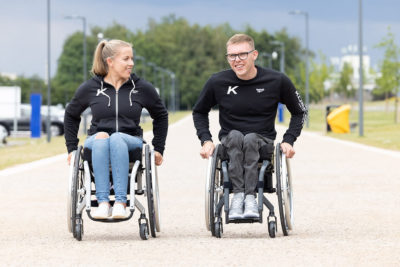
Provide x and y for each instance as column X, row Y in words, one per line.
column 242, row 56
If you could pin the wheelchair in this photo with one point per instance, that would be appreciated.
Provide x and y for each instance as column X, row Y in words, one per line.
column 81, row 193
column 218, row 188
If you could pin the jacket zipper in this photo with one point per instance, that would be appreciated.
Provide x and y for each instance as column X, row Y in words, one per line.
column 116, row 110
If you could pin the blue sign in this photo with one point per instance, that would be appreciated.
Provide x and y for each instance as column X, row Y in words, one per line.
column 35, row 125
column 281, row 111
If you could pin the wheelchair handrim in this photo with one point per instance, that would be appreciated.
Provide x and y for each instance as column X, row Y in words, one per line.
column 287, row 192
column 208, row 192
column 69, row 195
column 156, row 194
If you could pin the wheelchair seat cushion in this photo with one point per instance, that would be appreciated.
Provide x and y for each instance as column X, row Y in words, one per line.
column 134, row 155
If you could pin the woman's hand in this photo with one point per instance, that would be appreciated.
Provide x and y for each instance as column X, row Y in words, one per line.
column 69, row 158
column 158, row 158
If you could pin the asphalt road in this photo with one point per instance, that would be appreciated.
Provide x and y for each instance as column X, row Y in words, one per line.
column 346, row 200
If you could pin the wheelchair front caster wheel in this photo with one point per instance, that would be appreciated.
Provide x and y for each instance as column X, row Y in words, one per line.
column 218, row 229
column 79, row 231
column 143, row 231
column 272, row 228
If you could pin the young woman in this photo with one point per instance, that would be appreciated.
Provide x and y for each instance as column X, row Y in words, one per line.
column 116, row 97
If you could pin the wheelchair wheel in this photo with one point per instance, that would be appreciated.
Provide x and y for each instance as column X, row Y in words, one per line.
column 79, row 230
column 76, row 183
column 218, row 229
column 272, row 228
column 212, row 195
column 143, row 231
column 284, row 191
column 156, row 193
column 149, row 192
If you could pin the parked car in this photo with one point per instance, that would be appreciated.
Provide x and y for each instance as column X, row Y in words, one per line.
column 23, row 122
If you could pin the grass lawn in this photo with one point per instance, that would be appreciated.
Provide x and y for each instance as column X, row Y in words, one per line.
column 379, row 127
column 23, row 150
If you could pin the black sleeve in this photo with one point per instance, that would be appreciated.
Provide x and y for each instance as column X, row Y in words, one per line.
column 201, row 109
column 291, row 98
column 159, row 114
column 72, row 119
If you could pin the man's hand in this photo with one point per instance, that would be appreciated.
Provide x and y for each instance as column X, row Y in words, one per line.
column 207, row 149
column 288, row 150
column 158, row 158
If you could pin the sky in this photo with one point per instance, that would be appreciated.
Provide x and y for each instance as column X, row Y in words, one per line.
column 333, row 25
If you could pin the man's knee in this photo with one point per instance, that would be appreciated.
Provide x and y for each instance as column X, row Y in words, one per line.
column 102, row 135
column 235, row 137
column 251, row 140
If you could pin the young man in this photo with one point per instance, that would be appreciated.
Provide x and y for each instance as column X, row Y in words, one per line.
column 247, row 96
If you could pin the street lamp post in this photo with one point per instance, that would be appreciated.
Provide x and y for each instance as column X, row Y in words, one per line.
column 360, row 89
column 48, row 73
column 305, row 14
column 282, row 61
column 269, row 56
column 84, row 59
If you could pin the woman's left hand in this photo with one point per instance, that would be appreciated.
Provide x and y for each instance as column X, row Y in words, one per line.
column 158, row 158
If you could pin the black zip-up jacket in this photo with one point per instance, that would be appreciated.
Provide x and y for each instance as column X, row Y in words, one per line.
column 249, row 106
column 116, row 110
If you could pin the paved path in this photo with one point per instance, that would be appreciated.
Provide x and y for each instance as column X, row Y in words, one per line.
column 346, row 214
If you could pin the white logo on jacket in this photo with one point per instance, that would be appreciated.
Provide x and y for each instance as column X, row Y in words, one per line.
column 260, row 90
column 232, row 89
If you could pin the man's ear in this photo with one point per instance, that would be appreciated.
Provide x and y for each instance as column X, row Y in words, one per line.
column 255, row 55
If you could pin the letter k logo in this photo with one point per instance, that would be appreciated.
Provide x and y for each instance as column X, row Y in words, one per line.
column 231, row 89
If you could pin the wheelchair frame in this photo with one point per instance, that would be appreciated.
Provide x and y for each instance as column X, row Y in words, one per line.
column 80, row 191
column 218, row 188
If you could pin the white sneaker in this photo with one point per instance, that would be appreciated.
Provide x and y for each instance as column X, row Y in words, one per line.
column 250, row 207
column 103, row 211
column 118, row 211
column 236, row 207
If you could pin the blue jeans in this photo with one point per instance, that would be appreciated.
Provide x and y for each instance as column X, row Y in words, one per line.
column 115, row 150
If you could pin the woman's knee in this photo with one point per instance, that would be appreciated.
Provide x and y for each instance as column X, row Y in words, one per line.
column 102, row 135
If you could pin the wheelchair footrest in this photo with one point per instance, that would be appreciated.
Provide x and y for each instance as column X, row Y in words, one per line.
column 245, row 220
column 270, row 190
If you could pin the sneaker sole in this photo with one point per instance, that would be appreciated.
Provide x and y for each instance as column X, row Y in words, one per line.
column 118, row 216
column 253, row 216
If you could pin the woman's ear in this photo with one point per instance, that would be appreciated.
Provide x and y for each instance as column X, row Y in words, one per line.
column 109, row 61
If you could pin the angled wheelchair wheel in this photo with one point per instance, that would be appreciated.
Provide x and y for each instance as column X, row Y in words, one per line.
column 213, row 182
column 284, row 190
column 74, row 196
column 69, row 195
column 149, row 192
column 156, row 193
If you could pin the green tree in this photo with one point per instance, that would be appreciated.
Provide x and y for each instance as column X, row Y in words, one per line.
column 320, row 72
column 388, row 83
column 192, row 52
column 344, row 85
column 69, row 73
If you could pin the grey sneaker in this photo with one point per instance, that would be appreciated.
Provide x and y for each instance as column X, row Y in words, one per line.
column 236, row 207
column 250, row 207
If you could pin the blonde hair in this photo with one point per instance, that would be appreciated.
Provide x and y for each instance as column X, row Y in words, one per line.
column 104, row 50
column 240, row 38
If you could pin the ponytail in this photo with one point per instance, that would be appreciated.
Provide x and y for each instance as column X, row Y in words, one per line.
column 104, row 50
column 99, row 64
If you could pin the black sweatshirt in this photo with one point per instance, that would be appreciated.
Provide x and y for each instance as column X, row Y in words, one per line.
column 249, row 106
column 116, row 111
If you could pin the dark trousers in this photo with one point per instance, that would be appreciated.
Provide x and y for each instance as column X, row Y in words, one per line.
column 243, row 152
